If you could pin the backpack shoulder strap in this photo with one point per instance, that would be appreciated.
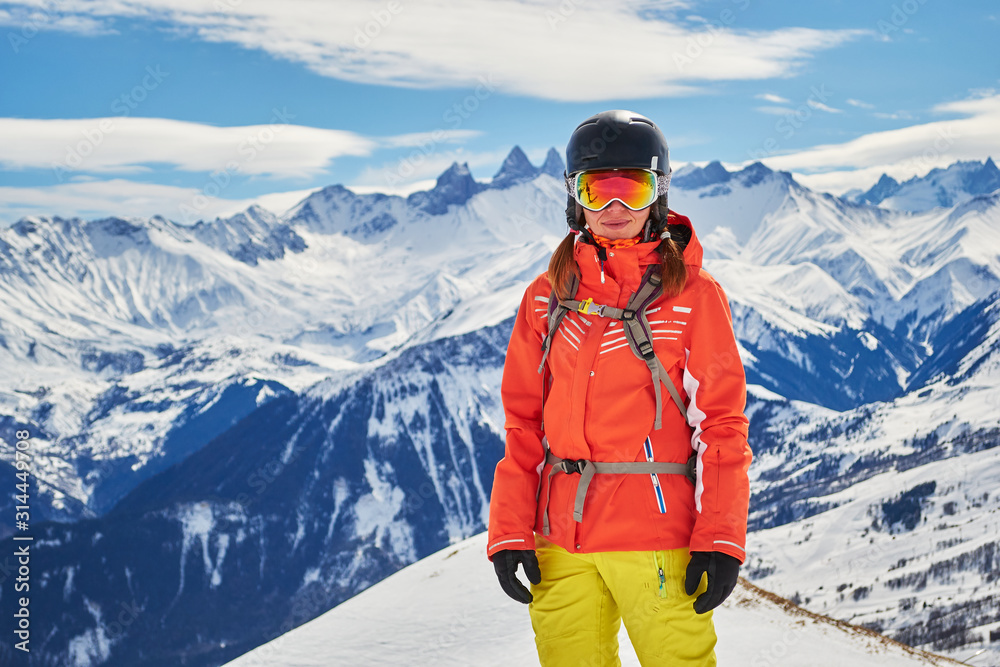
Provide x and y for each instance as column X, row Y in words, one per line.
column 639, row 335
column 557, row 311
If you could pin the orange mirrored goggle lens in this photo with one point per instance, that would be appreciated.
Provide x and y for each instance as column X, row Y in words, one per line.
column 635, row 188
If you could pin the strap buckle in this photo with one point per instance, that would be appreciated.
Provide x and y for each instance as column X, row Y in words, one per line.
column 588, row 306
column 570, row 466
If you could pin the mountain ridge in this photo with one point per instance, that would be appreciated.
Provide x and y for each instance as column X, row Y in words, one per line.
column 946, row 187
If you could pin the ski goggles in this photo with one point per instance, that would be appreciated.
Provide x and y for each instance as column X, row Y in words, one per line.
column 634, row 188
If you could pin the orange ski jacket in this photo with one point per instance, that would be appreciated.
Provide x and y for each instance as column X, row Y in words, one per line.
column 600, row 406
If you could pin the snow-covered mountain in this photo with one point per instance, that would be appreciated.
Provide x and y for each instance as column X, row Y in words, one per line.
column 240, row 424
column 939, row 188
column 845, row 299
column 448, row 610
column 130, row 344
column 306, row 501
column 887, row 515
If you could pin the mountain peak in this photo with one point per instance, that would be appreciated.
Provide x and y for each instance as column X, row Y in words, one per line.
column 553, row 165
column 886, row 187
column 25, row 226
column 983, row 179
column 698, row 177
column 714, row 169
column 453, row 174
column 457, row 180
column 516, row 168
column 754, row 173
column 454, row 186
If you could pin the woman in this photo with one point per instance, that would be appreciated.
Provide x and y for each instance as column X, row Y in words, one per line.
column 621, row 501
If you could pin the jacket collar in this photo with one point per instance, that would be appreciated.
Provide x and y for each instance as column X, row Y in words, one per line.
column 624, row 267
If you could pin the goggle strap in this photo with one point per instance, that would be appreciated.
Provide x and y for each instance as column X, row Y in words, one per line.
column 663, row 182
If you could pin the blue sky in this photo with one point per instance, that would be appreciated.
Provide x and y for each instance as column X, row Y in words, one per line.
column 192, row 108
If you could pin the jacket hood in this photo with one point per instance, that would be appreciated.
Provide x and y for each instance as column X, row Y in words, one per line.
column 682, row 231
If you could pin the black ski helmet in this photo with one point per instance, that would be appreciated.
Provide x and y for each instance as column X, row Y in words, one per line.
column 618, row 139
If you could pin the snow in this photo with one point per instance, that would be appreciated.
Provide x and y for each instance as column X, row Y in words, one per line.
column 197, row 522
column 68, row 585
column 376, row 513
column 448, row 609
column 93, row 646
column 221, row 545
column 762, row 393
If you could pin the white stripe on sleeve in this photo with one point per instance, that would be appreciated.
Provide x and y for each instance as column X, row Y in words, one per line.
column 732, row 544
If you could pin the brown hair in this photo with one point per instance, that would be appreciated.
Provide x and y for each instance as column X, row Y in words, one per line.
column 563, row 266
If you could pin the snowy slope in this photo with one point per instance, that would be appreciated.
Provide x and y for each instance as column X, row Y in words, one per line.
column 911, row 554
column 449, row 610
column 715, row 199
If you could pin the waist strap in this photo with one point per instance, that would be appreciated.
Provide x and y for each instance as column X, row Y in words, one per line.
column 587, row 470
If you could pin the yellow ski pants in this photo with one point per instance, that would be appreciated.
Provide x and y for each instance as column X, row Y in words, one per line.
column 582, row 600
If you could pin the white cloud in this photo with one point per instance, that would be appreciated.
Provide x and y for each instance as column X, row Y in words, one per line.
column 119, row 197
column 902, row 153
column 860, row 104
column 426, row 139
column 774, row 99
column 25, row 22
column 91, row 199
column 86, row 155
column 525, row 47
column 775, row 111
column 784, row 110
column 898, row 115
column 128, row 145
column 816, row 104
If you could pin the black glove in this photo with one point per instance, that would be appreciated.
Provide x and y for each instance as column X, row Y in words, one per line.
column 722, row 571
column 505, row 563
